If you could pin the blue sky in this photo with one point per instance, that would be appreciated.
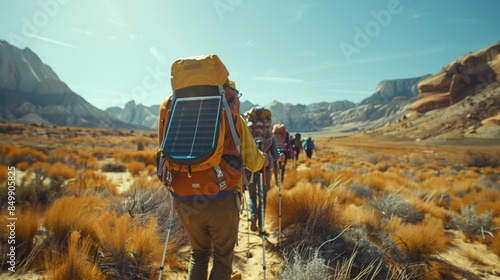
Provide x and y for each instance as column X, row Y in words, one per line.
column 113, row 51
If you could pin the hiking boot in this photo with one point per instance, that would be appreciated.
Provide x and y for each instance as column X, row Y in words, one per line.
column 253, row 224
column 263, row 231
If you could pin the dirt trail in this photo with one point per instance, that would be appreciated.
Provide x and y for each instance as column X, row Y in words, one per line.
column 248, row 256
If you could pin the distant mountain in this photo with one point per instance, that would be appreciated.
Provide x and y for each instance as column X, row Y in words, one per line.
column 393, row 102
column 400, row 90
column 389, row 102
column 33, row 93
column 137, row 114
column 463, row 97
column 462, row 100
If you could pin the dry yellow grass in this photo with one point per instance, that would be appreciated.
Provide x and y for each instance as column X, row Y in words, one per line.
column 334, row 191
column 421, row 241
column 90, row 179
column 384, row 181
column 495, row 245
column 113, row 234
column 72, row 213
column 77, row 263
column 487, row 197
column 4, row 172
column 313, row 209
column 60, row 171
column 136, row 167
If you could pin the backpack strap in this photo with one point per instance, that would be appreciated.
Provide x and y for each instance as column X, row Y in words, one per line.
column 220, row 176
column 230, row 120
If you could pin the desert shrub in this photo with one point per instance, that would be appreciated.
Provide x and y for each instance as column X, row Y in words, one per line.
column 59, row 173
column 377, row 158
column 312, row 218
column 421, row 241
column 90, row 181
column 395, row 204
column 23, row 165
column 40, row 171
column 146, row 247
column 4, row 172
column 136, row 167
column 495, row 245
column 304, row 264
column 73, row 213
column 470, row 223
column 383, row 181
column 26, row 228
column 309, row 214
column 362, row 190
column 25, row 154
column 489, row 181
column 146, row 157
column 151, row 169
column 416, row 159
column 33, row 191
column 476, row 198
column 78, row 263
column 141, row 146
column 433, row 208
column 143, row 201
column 131, row 250
column 481, row 159
column 77, row 157
column 113, row 167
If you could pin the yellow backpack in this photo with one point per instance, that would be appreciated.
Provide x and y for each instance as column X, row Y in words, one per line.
column 199, row 131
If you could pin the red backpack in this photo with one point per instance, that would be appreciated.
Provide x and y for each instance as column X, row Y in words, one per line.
column 282, row 139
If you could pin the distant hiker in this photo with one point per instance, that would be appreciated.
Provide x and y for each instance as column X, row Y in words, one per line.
column 308, row 146
column 200, row 161
column 297, row 145
column 259, row 121
column 284, row 147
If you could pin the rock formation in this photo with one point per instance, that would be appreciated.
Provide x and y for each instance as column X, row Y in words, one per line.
column 459, row 79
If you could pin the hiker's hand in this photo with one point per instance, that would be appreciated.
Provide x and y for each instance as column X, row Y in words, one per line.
column 266, row 163
column 282, row 157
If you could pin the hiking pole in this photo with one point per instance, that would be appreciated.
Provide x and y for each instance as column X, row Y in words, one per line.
column 279, row 203
column 170, row 225
column 245, row 203
column 262, row 210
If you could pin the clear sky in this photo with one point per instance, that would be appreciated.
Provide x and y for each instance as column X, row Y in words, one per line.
column 113, row 51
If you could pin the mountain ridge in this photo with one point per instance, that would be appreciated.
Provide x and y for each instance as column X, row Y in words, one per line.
column 33, row 93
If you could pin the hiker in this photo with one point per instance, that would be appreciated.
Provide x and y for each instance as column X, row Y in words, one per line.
column 259, row 121
column 297, row 145
column 218, row 222
column 284, row 147
column 308, row 146
column 207, row 192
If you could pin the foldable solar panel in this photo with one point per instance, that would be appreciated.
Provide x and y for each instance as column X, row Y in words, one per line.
column 192, row 131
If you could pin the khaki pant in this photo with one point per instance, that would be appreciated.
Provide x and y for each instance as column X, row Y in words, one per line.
column 210, row 223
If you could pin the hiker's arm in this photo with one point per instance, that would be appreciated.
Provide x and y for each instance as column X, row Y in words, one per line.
column 250, row 155
column 275, row 153
column 274, row 149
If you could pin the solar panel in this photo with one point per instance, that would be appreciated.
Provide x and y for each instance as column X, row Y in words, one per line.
column 192, row 130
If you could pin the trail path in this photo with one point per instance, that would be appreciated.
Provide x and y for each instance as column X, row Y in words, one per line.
column 248, row 255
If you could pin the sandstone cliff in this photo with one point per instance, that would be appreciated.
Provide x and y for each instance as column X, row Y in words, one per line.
column 459, row 79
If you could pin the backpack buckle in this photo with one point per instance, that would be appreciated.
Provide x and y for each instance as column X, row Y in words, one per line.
column 220, row 175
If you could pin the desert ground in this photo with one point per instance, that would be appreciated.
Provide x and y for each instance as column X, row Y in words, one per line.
column 364, row 206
